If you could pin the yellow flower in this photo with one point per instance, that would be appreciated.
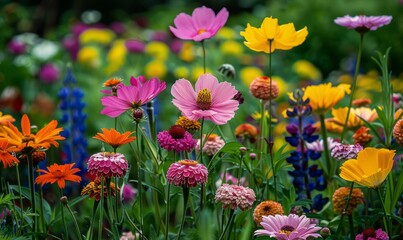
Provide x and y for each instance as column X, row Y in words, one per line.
column 226, row 33
column 231, row 48
column 340, row 114
column 370, row 168
column 116, row 57
column 89, row 56
column 197, row 71
column 324, row 97
column 282, row 37
column 158, row 50
column 187, row 52
column 247, row 74
column 96, row 35
column 306, row 69
column 156, row 69
column 181, row 72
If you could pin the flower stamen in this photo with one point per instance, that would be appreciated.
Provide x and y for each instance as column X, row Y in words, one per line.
column 204, row 99
column 287, row 230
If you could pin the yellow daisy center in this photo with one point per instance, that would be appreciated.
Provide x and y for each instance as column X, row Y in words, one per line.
column 204, row 99
column 287, row 230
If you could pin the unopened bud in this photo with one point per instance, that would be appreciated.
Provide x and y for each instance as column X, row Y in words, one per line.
column 64, row 200
column 137, row 114
column 242, row 150
column 325, row 232
column 252, row 156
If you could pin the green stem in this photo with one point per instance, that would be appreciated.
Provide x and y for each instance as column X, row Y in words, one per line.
column 270, row 143
column 74, row 221
column 240, row 168
column 101, row 212
column 351, row 223
column 270, row 96
column 167, row 212
column 134, row 225
column 158, row 216
column 92, row 222
column 42, row 216
column 329, row 167
column 261, row 132
column 185, row 201
column 345, row 209
column 230, row 221
column 32, row 191
column 201, row 140
column 204, row 56
column 386, row 221
column 353, row 85
column 66, row 232
column 140, row 182
column 20, row 195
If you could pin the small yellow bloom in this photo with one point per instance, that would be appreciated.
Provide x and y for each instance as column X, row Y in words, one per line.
column 247, row 74
column 96, row 35
column 340, row 114
column 324, row 97
column 181, row 72
column 187, row 52
column 158, row 50
column 282, row 37
column 89, row 56
column 156, row 69
column 306, row 69
column 226, row 33
column 231, row 48
column 116, row 57
column 370, row 168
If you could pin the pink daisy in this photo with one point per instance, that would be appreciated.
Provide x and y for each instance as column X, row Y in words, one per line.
column 289, row 227
column 203, row 24
column 134, row 96
column 363, row 23
column 210, row 99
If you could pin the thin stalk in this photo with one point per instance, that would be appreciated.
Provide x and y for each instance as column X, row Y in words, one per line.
column 270, row 143
column 42, row 217
column 116, row 180
column 32, row 191
column 261, row 131
column 270, row 96
column 351, row 223
column 345, row 209
column 151, row 121
column 353, row 85
column 101, row 213
column 185, row 201
column 74, row 221
column 230, row 221
column 66, row 232
column 204, row 56
column 201, row 140
column 386, row 221
column 240, row 168
column 328, row 165
column 134, row 225
column 140, row 182
column 20, row 195
column 167, row 212
column 92, row 222
column 158, row 215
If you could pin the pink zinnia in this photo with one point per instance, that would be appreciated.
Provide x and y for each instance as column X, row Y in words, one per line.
column 213, row 144
column 210, row 99
column 203, row 24
column 363, row 23
column 291, row 227
column 134, row 96
column 177, row 138
column 371, row 234
column 187, row 173
column 233, row 196
column 107, row 164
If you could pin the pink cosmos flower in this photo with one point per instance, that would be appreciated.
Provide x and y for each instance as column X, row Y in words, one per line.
column 187, row 173
column 210, row 99
column 291, row 227
column 363, row 23
column 107, row 164
column 134, row 96
column 234, row 196
column 203, row 24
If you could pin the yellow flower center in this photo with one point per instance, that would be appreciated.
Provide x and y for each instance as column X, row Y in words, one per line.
column 204, row 99
column 188, row 162
column 201, row 31
column 287, row 230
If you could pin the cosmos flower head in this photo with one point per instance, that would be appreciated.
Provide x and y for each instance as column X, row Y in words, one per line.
column 202, row 24
column 363, row 23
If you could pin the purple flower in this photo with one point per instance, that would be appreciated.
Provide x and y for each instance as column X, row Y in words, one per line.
column 16, row 47
column 129, row 193
column 117, row 27
column 133, row 97
column 344, row 151
column 291, row 227
column 49, row 73
column 177, row 138
column 203, row 24
column 317, row 145
column 371, row 234
column 72, row 45
column 363, row 23
column 135, row 46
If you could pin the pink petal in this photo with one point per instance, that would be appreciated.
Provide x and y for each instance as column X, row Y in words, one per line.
column 219, row 21
column 185, row 28
column 202, row 17
column 206, row 81
column 224, row 92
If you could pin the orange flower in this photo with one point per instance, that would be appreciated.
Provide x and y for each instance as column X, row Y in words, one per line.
column 114, row 138
column 5, row 156
column 44, row 138
column 112, row 82
column 5, row 119
column 58, row 173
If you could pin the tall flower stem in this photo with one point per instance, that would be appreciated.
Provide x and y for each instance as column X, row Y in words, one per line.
column 186, row 191
column 32, row 190
column 351, row 223
column 74, row 220
column 353, row 85
column 167, row 212
column 270, row 98
column 151, row 119
column 345, row 209
column 328, row 164
column 66, row 232
column 101, row 210
column 140, row 181
column 386, row 221
column 261, row 131
column 42, row 216
column 230, row 221
column 270, row 144
column 204, row 56
column 20, row 193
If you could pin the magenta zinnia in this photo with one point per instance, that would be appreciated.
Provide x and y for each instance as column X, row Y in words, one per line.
column 363, row 23
column 371, row 234
column 203, row 24
column 107, row 164
column 210, row 100
column 133, row 97
column 233, row 196
column 187, row 173
column 291, row 227
column 177, row 138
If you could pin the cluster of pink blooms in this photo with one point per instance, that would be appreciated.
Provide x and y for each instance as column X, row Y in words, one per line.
column 213, row 144
column 187, row 173
column 177, row 138
column 233, row 196
column 371, row 234
column 107, row 164
column 342, row 151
